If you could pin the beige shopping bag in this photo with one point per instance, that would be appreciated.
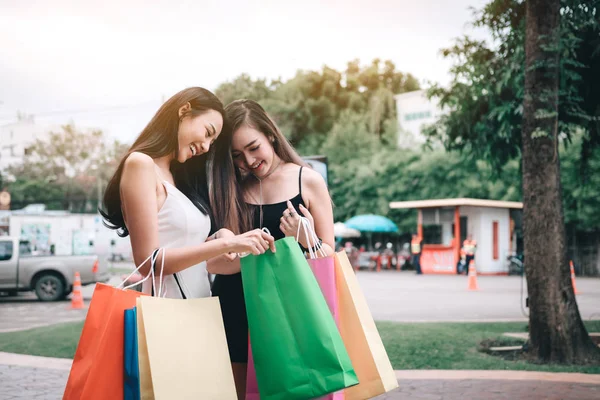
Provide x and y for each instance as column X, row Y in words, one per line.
column 360, row 335
column 182, row 349
column 146, row 392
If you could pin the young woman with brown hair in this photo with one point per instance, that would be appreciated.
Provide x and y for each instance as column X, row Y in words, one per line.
column 273, row 185
column 153, row 199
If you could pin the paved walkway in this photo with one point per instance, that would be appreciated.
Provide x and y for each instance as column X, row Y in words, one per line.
column 42, row 378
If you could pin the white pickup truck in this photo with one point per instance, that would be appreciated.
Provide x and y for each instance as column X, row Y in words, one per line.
column 51, row 277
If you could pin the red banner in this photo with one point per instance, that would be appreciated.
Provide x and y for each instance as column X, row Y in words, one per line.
column 438, row 260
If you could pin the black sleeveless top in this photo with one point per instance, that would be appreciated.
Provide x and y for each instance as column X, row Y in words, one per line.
column 272, row 213
column 229, row 288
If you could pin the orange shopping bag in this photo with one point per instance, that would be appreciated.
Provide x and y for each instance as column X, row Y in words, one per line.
column 97, row 369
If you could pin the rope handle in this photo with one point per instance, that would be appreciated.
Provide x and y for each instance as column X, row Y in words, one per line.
column 315, row 248
column 152, row 258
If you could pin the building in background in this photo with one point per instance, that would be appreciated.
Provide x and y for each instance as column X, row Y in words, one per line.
column 64, row 233
column 414, row 111
column 16, row 137
column 444, row 224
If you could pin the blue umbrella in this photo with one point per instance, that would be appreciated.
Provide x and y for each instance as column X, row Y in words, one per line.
column 371, row 223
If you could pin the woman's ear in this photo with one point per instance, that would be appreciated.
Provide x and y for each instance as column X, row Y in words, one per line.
column 184, row 109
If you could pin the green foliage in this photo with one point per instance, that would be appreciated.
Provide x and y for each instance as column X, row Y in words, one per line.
column 312, row 102
column 65, row 171
column 581, row 196
column 485, row 97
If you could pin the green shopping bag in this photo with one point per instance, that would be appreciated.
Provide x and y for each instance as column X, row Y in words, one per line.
column 297, row 348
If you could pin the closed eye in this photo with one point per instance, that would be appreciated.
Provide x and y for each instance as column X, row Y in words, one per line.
column 255, row 148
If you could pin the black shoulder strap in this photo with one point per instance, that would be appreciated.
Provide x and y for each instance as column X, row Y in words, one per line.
column 300, row 181
column 179, row 285
column 153, row 261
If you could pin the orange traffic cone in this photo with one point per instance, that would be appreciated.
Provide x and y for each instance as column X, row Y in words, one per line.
column 573, row 277
column 77, row 297
column 472, row 277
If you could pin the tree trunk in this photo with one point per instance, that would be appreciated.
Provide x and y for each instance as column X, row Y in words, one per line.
column 557, row 333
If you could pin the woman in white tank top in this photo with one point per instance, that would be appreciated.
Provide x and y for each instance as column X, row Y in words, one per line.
column 159, row 204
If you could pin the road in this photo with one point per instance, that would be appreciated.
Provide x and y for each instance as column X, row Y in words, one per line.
column 392, row 296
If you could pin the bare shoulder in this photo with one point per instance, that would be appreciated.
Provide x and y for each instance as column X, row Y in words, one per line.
column 313, row 180
column 137, row 160
column 139, row 169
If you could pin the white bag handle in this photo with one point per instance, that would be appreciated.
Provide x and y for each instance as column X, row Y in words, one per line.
column 315, row 247
column 153, row 257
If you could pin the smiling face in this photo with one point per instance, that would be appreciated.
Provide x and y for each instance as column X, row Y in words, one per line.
column 197, row 133
column 252, row 151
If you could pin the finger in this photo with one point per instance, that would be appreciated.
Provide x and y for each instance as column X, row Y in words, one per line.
column 291, row 209
column 256, row 250
column 266, row 236
column 285, row 223
column 271, row 241
column 261, row 244
column 305, row 212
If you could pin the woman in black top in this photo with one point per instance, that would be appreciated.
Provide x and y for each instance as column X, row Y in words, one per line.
column 275, row 188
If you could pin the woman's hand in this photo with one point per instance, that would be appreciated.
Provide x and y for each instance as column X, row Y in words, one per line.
column 255, row 242
column 290, row 221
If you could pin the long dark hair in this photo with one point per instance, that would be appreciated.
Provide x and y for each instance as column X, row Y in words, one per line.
column 226, row 193
column 160, row 138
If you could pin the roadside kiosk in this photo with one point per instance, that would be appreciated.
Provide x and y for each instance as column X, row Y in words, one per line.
column 440, row 222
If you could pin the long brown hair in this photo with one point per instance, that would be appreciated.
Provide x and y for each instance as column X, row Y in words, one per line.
column 160, row 138
column 226, row 193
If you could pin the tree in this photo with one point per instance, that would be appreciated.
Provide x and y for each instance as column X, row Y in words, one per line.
column 243, row 87
column 517, row 98
column 557, row 333
column 308, row 106
column 485, row 97
column 71, row 165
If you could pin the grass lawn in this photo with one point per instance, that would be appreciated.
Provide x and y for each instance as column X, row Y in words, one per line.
column 454, row 346
column 409, row 346
column 51, row 341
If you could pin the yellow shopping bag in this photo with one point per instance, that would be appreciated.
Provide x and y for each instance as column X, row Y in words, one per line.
column 182, row 349
column 359, row 333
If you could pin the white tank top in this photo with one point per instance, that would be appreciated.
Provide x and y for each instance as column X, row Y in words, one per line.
column 181, row 224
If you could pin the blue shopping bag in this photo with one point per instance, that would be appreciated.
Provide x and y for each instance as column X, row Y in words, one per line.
column 131, row 387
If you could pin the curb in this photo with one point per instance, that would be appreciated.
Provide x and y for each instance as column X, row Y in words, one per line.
column 22, row 360
column 498, row 375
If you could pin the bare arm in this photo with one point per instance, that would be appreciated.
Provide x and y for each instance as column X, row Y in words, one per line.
column 140, row 208
column 223, row 266
column 319, row 213
column 319, row 206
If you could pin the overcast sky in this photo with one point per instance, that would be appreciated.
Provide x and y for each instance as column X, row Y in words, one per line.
column 108, row 63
